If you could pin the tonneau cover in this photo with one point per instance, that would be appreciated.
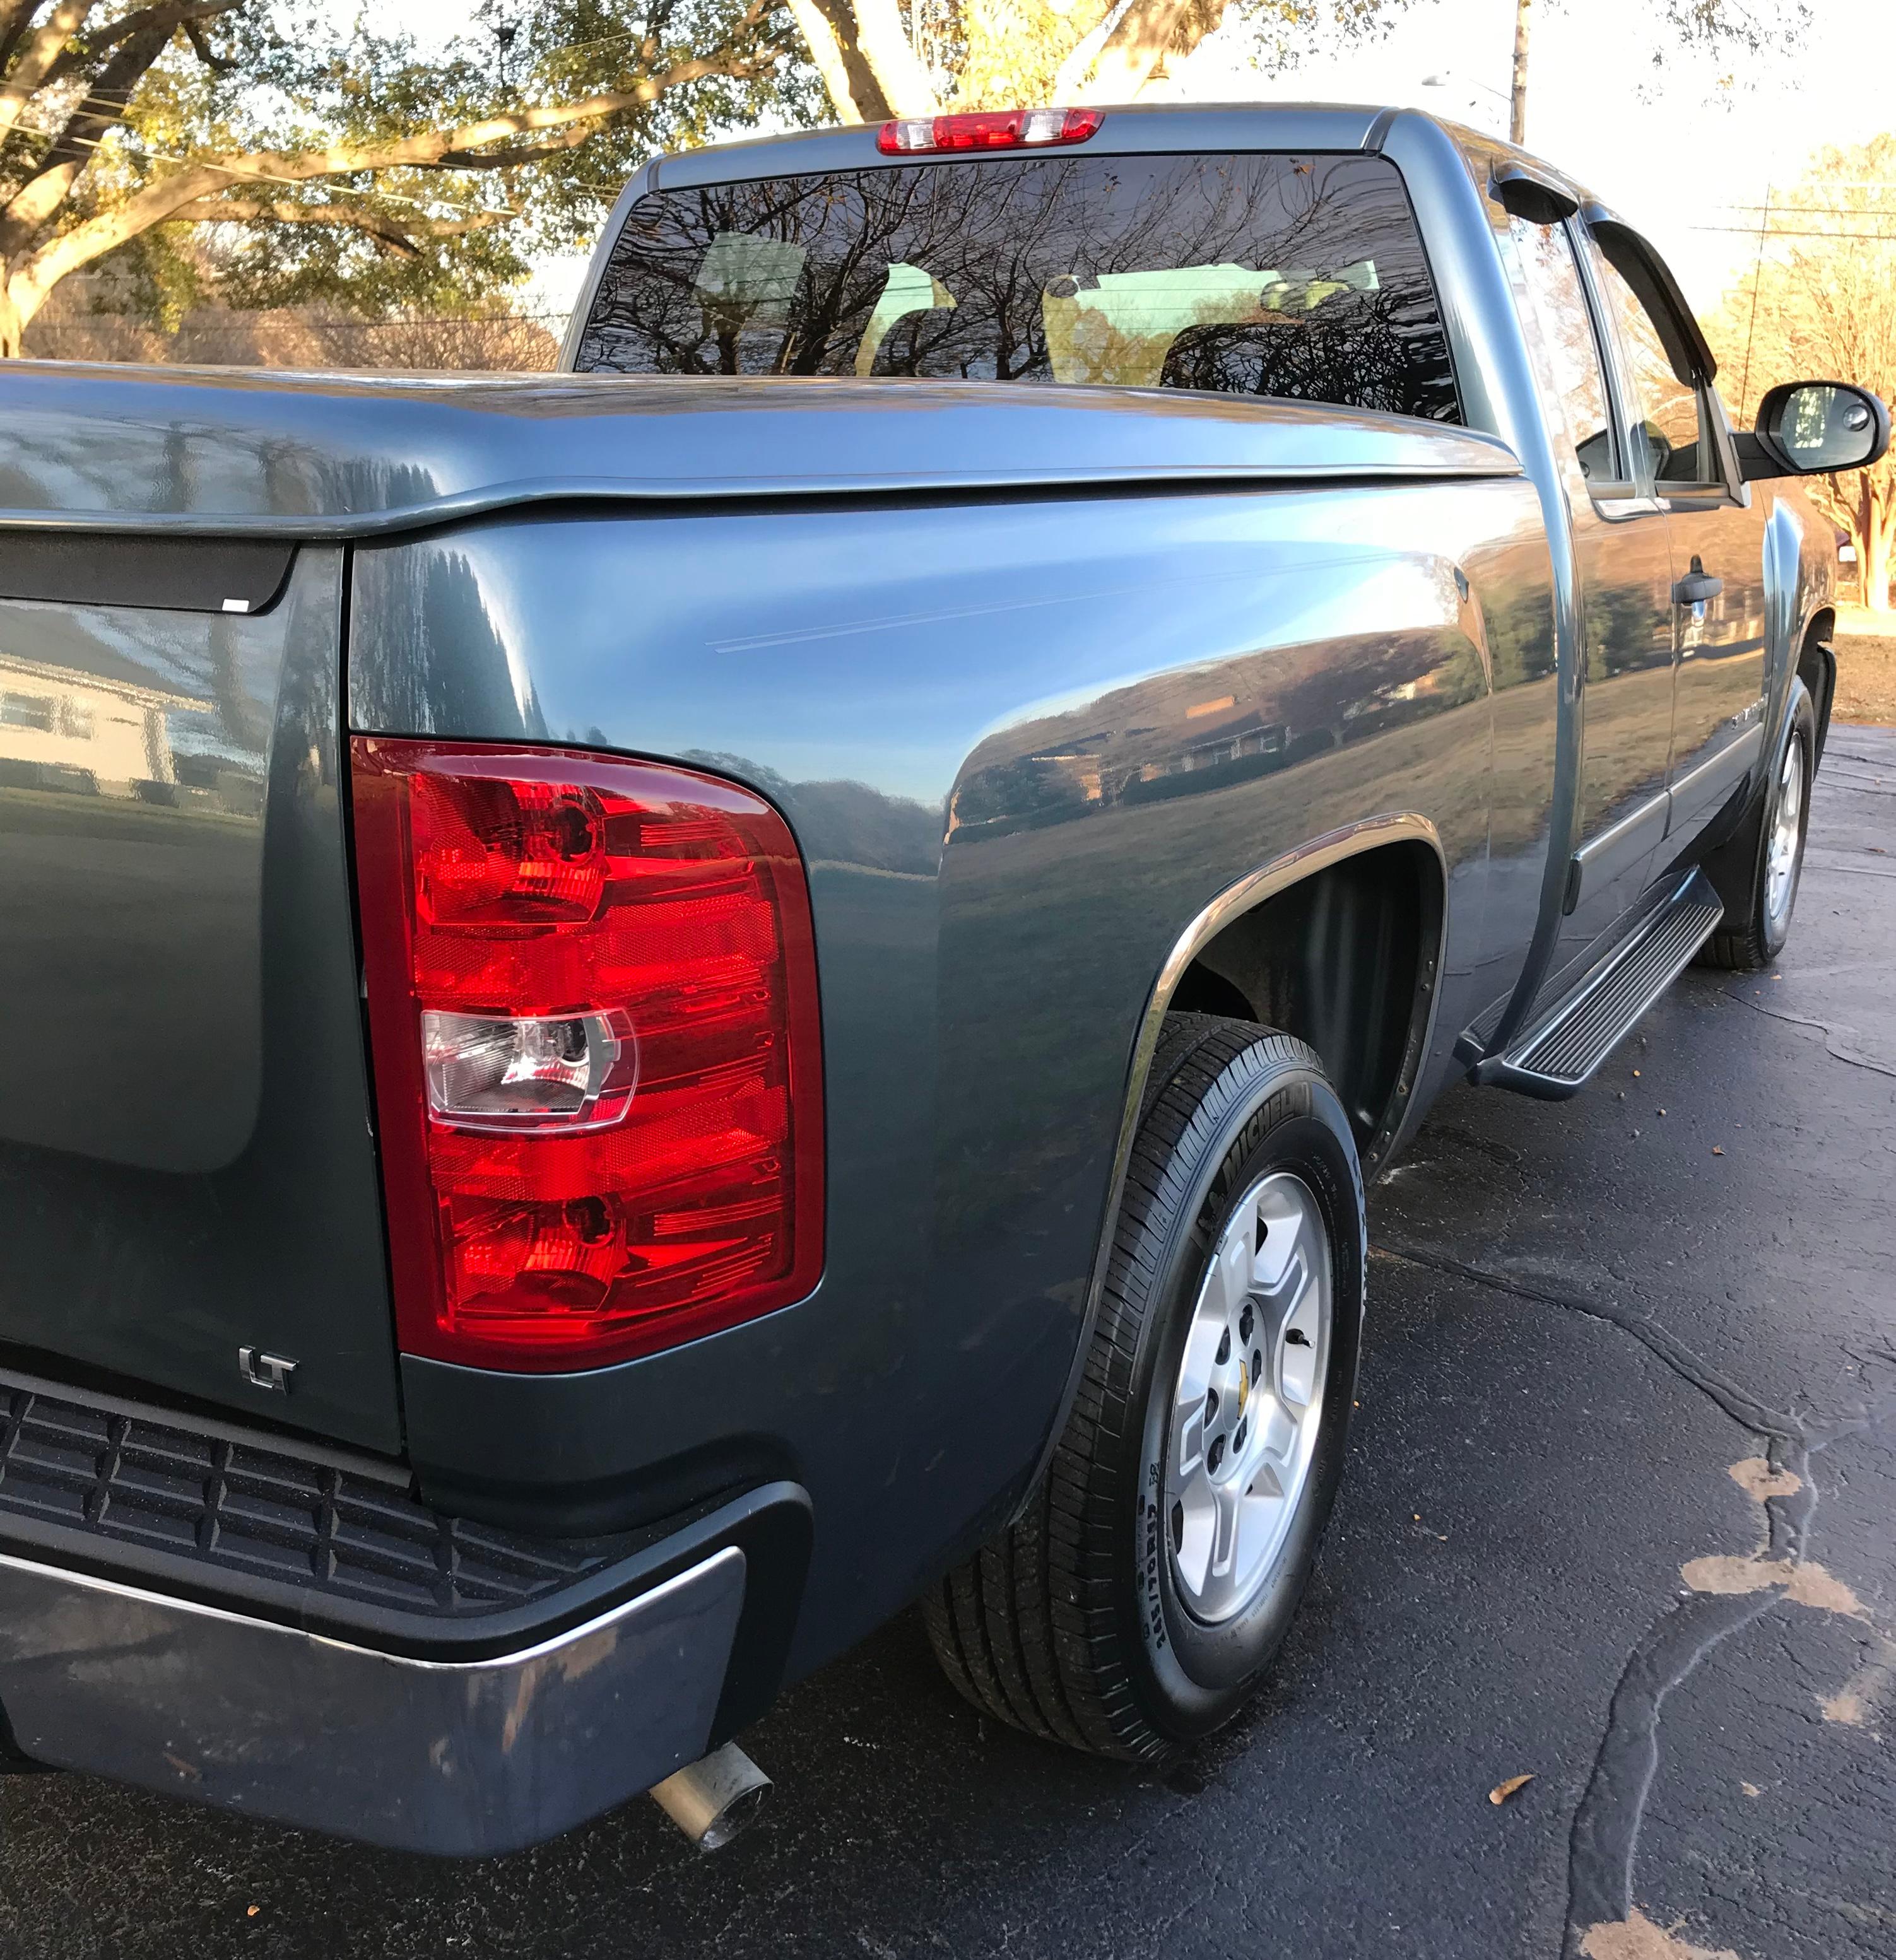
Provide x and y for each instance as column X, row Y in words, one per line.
column 240, row 452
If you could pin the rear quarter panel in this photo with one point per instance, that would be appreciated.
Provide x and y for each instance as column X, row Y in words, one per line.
column 1022, row 743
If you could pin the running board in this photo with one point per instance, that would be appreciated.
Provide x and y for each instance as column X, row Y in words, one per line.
column 1556, row 1056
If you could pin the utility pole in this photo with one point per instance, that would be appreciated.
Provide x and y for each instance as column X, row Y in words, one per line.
column 1518, row 104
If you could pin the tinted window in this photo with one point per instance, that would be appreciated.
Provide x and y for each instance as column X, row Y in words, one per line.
column 1573, row 355
column 1664, row 399
column 1286, row 275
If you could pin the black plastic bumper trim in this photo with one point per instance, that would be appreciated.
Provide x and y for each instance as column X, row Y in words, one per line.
column 772, row 1525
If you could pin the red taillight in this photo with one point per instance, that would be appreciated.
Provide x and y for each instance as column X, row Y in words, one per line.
column 592, row 1008
column 987, row 129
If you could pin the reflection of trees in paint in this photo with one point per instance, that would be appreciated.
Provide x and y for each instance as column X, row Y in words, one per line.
column 1153, row 741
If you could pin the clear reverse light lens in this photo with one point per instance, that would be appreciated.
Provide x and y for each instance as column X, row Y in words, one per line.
column 487, row 1072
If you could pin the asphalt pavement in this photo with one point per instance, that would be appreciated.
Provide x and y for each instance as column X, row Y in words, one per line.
column 1621, row 1519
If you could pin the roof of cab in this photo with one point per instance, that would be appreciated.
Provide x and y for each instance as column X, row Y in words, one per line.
column 1149, row 127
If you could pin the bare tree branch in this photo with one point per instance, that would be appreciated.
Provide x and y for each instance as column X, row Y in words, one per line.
column 34, row 276
column 892, row 59
column 15, row 16
column 103, row 105
column 826, row 47
column 201, row 46
column 400, row 234
column 42, row 48
column 868, row 100
column 1125, row 56
column 185, row 14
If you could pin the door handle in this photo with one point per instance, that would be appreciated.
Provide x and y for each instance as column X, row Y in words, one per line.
column 1697, row 586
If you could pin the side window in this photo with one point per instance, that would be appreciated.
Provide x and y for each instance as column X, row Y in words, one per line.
column 1545, row 253
column 1666, row 400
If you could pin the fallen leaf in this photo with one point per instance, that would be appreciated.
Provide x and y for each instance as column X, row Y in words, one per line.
column 251, row 1911
column 1661, row 1112
column 1717, row 1150
column 1635, row 1075
column 1502, row 1791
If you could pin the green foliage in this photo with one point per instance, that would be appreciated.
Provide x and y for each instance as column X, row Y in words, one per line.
column 293, row 78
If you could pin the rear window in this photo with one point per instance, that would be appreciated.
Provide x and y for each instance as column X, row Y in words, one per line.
column 1297, row 276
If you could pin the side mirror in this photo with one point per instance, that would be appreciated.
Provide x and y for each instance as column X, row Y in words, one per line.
column 1807, row 428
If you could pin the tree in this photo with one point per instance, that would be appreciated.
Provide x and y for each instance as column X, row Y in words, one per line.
column 189, row 141
column 1820, row 304
column 974, row 54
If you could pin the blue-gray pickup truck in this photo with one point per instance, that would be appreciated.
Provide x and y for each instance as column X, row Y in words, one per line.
column 655, row 1011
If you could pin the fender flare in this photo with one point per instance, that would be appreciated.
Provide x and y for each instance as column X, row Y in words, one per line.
column 1245, row 895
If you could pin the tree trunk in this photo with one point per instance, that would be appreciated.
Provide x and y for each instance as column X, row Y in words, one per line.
column 1139, row 39
column 12, row 327
column 1873, row 553
column 831, row 55
column 897, row 68
column 1518, row 102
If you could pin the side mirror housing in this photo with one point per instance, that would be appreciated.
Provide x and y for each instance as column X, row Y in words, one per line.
column 1809, row 428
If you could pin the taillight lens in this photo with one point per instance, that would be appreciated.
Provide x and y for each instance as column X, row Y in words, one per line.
column 987, row 129
column 593, row 1013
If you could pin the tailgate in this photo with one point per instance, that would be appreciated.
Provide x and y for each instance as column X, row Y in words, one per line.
column 185, row 1162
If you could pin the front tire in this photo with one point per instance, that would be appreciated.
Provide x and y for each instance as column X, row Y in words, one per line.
column 1757, row 872
column 1133, row 1608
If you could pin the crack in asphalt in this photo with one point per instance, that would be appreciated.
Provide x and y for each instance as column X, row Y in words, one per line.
column 1603, row 1842
column 1743, row 1408
column 1830, row 1034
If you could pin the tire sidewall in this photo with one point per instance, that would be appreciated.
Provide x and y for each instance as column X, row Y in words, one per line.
column 1282, row 1115
column 1800, row 727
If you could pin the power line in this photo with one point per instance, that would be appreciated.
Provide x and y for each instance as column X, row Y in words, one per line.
column 1753, row 231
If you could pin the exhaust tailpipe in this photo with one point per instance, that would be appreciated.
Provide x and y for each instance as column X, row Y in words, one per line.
column 712, row 1799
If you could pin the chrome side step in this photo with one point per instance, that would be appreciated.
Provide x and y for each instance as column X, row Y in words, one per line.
column 1555, row 1055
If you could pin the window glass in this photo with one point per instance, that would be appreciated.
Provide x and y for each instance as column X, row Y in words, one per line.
column 1298, row 276
column 1664, row 401
column 1545, row 253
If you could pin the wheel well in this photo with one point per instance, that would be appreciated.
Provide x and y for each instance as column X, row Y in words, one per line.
column 1345, row 960
column 1817, row 669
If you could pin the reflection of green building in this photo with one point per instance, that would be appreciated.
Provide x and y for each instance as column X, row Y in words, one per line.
column 102, row 730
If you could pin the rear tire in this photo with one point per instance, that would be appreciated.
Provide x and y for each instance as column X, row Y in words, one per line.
column 1210, row 1425
column 1756, row 872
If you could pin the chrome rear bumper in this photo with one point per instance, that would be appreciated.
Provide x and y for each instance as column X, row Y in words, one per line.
column 461, row 1757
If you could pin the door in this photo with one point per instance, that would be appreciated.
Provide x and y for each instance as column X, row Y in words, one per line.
column 1717, row 538
column 1622, row 556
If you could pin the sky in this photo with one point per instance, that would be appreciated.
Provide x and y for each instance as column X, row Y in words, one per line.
column 1685, row 149
column 1685, row 160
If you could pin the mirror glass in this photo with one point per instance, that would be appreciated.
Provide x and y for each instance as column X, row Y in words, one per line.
column 1822, row 425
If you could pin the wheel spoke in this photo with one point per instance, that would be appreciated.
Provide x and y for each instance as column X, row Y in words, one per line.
column 1277, row 1432
column 1247, row 1397
column 1195, row 1528
column 1236, row 1254
column 1228, row 1497
column 1188, row 1440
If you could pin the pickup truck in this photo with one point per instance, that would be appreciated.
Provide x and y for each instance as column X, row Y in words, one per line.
column 711, row 994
